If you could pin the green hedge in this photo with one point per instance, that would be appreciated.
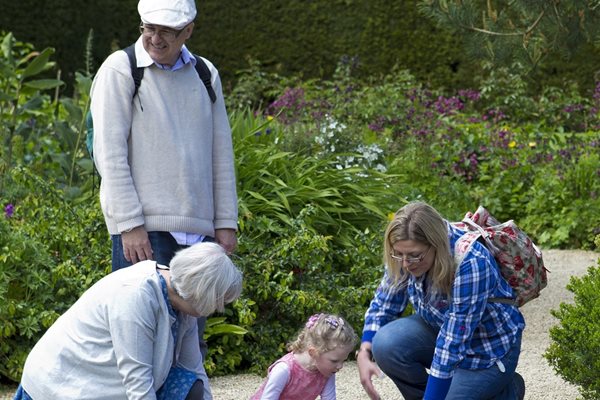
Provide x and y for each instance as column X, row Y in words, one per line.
column 293, row 37
column 296, row 37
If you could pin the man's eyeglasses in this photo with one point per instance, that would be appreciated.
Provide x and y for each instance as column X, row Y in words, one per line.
column 410, row 260
column 166, row 34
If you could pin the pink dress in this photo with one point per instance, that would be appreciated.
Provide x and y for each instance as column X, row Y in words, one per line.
column 302, row 384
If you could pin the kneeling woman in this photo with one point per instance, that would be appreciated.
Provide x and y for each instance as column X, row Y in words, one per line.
column 133, row 334
column 469, row 344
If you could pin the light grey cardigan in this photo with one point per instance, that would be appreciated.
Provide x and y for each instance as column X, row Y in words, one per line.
column 114, row 343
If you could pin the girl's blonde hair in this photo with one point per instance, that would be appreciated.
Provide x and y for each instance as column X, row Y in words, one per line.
column 324, row 332
column 419, row 222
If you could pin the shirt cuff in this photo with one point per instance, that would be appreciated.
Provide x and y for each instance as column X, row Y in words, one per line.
column 437, row 388
column 367, row 336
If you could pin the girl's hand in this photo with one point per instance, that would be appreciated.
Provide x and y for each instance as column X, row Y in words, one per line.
column 367, row 369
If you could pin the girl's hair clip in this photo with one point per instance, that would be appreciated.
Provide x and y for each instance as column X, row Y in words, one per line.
column 333, row 321
column 312, row 320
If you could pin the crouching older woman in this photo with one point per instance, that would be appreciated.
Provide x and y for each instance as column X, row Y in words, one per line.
column 133, row 334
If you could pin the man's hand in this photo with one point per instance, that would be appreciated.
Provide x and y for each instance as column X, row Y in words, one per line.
column 367, row 369
column 136, row 246
column 227, row 239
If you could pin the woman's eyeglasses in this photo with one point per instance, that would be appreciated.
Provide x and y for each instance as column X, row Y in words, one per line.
column 410, row 260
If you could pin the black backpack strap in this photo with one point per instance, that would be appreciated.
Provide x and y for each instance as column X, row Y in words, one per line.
column 204, row 74
column 136, row 73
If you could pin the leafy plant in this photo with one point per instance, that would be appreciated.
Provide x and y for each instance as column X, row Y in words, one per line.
column 224, row 338
column 576, row 340
column 298, row 273
column 51, row 252
column 24, row 110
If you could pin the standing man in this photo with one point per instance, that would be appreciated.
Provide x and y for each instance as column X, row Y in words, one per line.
column 164, row 153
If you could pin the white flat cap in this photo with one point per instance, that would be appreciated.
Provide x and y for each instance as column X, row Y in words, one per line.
column 172, row 13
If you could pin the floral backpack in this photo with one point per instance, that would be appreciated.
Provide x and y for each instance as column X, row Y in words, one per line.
column 519, row 258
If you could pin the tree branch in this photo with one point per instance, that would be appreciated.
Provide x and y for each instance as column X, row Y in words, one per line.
column 527, row 31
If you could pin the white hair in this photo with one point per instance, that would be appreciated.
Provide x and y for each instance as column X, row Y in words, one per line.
column 205, row 276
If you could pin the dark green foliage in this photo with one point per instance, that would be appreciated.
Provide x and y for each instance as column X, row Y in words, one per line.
column 297, row 273
column 529, row 30
column 63, row 24
column 576, row 339
column 306, row 38
column 309, row 38
column 498, row 147
column 300, row 38
column 27, row 113
column 52, row 250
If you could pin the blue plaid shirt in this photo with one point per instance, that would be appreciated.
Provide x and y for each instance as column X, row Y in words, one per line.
column 473, row 333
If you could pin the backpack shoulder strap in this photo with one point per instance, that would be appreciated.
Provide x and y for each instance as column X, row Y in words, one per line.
column 462, row 246
column 136, row 73
column 204, row 74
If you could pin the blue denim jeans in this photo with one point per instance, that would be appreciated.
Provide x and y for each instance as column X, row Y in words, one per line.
column 164, row 246
column 404, row 349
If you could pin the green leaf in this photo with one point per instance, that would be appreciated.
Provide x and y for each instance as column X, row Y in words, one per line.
column 5, row 97
column 215, row 321
column 38, row 64
column 43, row 84
column 6, row 46
column 227, row 328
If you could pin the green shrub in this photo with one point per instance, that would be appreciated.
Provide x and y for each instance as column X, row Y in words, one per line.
column 40, row 132
column 497, row 147
column 575, row 345
column 52, row 251
column 295, row 274
column 309, row 240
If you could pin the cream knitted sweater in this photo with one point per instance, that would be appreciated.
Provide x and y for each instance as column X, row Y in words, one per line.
column 165, row 158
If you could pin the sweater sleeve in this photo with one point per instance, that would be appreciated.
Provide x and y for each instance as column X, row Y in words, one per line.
column 225, row 195
column 112, row 110
column 276, row 381
column 437, row 388
column 328, row 392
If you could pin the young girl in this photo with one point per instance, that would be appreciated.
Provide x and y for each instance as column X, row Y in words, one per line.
column 308, row 370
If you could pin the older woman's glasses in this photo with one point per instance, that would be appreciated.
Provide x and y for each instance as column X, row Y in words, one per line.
column 410, row 260
column 168, row 35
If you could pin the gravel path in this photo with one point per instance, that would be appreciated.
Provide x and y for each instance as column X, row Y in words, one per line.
column 541, row 380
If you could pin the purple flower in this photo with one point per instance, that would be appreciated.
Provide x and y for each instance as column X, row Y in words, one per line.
column 9, row 210
column 469, row 94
